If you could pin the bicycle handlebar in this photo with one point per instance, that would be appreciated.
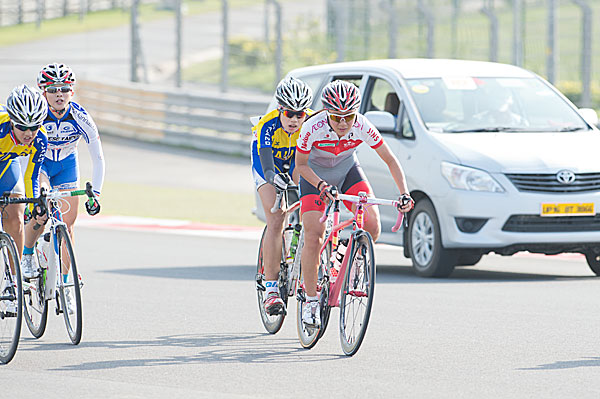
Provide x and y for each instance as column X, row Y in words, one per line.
column 363, row 199
column 277, row 204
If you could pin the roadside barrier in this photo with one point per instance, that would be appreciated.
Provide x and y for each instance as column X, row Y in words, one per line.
column 217, row 122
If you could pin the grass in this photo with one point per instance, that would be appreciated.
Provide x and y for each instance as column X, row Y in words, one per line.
column 181, row 204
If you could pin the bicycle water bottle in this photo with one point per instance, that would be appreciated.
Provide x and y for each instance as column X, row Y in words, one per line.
column 294, row 243
column 337, row 262
column 43, row 248
column 288, row 234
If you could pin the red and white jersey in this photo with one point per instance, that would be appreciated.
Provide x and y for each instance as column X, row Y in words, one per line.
column 326, row 148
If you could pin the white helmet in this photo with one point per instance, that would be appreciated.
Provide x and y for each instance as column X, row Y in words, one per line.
column 26, row 106
column 55, row 74
column 293, row 94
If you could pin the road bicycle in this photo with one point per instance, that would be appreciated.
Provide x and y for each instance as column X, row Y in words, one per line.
column 58, row 277
column 292, row 238
column 11, row 290
column 356, row 278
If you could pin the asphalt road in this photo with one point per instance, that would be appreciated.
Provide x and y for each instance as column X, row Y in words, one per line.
column 168, row 314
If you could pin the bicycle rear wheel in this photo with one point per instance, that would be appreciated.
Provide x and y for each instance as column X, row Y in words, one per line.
column 11, row 299
column 69, row 292
column 357, row 293
column 272, row 323
column 35, row 303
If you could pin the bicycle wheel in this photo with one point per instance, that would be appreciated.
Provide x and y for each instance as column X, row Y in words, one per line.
column 272, row 323
column 35, row 303
column 69, row 292
column 357, row 293
column 11, row 300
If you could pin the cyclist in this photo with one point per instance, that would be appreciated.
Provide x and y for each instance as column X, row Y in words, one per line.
column 325, row 160
column 65, row 124
column 21, row 135
column 273, row 150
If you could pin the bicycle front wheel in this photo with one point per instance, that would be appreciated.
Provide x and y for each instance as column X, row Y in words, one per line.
column 272, row 323
column 69, row 291
column 357, row 293
column 35, row 303
column 11, row 299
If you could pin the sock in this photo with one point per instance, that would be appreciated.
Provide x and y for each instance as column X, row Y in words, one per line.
column 312, row 298
column 65, row 278
column 272, row 286
column 27, row 251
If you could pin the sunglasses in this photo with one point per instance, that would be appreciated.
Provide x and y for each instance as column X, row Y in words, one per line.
column 349, row 118
column 24, row 128
column 290, row 114
column 63, row 89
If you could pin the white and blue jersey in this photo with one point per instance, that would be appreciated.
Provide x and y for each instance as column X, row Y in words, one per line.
column 61, row 165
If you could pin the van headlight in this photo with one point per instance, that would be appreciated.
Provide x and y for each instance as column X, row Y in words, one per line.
column 463, row 178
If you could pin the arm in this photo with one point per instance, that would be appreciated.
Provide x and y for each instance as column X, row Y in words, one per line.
column 98, row 166
column 266, row 162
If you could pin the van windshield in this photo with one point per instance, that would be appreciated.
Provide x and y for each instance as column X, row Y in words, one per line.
column 469, row 104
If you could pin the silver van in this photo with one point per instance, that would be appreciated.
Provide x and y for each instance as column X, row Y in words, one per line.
column 496, row 158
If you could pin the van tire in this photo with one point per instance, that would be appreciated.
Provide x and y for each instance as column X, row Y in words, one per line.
column 429, row 257
column 593, row 261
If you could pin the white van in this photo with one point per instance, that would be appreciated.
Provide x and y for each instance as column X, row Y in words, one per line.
column 496, row 159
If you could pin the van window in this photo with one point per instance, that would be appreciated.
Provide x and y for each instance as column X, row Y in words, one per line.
column 381, row 97
column 406, row 129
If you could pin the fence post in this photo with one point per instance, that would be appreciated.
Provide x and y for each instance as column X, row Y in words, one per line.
column 430, row 21
column 586, row 52
column 489, row 10
column 393, row 30
column 339, row 20
column 65, row 8
column 454, row 28
column 134, row 42
column 278, row 42
column 82, row 8
column 39, row 13
column 178, row 38
column 20, row 12
column 266, row 21
column 366, row 28
column 551, row 53
column 517, row 33
column 225, row 38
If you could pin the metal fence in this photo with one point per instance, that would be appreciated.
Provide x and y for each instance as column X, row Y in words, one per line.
column 214, row 122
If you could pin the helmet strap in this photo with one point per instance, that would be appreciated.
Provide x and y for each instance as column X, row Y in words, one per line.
column 59, row 111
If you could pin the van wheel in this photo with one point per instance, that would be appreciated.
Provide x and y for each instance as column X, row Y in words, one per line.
column 428, row 257
column 593, row 261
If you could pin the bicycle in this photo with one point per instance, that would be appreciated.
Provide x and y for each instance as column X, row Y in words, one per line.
column 355, row 283
column 11, row 290
column 54, row 248
column 292, row 238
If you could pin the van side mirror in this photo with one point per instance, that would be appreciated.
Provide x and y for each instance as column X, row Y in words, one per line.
column 383, row 121
column 589, row 115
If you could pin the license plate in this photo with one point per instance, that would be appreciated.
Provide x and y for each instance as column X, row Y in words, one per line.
column 585, row 209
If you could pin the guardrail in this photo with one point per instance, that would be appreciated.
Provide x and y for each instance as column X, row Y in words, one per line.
column 217, row 122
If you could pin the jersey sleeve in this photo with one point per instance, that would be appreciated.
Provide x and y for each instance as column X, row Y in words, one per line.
column 32, row 172
column 265, row 131
column 369, row 133
column 88, row 129
column 305, row 139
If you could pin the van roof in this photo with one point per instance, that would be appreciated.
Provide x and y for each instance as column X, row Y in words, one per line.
column 411, row 68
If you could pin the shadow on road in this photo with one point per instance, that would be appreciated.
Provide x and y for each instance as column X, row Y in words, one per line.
column 567, row 364
column 386, row 274
column 211, row 348
column 405, row 274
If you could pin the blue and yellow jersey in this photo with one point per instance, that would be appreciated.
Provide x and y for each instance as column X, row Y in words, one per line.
column 268, row 133
column 10, row 149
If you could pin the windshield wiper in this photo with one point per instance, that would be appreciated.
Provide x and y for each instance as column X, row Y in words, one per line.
column 572, row 128
column 488, row 129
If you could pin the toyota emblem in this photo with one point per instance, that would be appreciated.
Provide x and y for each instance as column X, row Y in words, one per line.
column 565, row 177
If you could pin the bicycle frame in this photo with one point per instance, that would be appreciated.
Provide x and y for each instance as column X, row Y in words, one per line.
column 357, row 222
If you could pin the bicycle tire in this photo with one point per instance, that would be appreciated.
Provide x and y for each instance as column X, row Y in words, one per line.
column 324, row 278
column 357, row 293
column 74, row 319
column 35, row 305
column 272, row 323
column 10, row 322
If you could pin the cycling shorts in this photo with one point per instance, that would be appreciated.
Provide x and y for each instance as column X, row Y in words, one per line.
column 11, row 179
column 63, row 174
column 354, row 182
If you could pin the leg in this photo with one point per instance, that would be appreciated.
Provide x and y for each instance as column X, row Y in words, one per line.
column 12, row 222
column 313, row 240
column 272, row 242
column 69, row 218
